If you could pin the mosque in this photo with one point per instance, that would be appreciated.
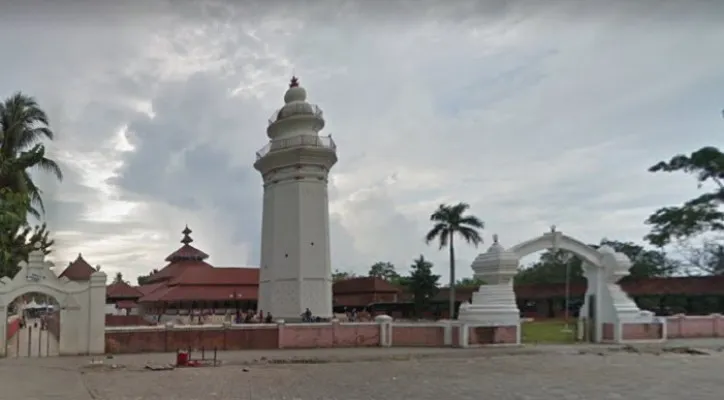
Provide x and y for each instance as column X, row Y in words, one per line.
column 295, row 271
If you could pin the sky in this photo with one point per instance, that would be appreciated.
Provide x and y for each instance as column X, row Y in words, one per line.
column 534, row 113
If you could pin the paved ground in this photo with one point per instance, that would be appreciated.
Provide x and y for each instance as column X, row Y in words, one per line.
column 545, row 372
column 31, row 341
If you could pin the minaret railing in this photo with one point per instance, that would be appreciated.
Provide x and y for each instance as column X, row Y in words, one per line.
column 297, row 141
column 291, row 110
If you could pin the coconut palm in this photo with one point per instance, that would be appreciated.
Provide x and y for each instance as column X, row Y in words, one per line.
column 23, row 127
column 451, row 220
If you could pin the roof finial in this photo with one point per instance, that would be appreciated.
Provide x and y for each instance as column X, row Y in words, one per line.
column 294, row 82
column 186, row 239
column 495, row 238
column 553, row 229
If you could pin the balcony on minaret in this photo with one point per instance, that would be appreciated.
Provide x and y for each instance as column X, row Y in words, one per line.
column 296, row 110
column 297, row 125
column 297, row 117
column 313, row 141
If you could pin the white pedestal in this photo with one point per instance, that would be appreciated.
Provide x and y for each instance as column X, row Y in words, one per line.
column 625, row 308
column 492, row 305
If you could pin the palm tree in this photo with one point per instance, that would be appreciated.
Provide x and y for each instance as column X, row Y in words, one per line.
column 23, row 127
column 448, row 222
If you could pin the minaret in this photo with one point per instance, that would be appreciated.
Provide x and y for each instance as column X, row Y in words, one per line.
column 295, row 270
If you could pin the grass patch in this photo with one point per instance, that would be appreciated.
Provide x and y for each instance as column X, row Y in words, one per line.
column 548, row 332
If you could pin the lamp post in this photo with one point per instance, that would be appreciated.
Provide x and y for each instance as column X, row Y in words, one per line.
column 568, row 295
column 555, row 234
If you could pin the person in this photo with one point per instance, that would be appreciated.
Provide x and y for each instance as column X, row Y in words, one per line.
column 269, row 319
column 307, row 316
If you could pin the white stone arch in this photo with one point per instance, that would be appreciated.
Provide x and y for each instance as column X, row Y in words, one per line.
column 82, row 305
column 557, row 240
column 495, row 303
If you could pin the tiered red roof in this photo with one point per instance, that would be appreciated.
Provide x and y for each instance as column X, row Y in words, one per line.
column 122, row 291
column 188, row 277
column 78, row 270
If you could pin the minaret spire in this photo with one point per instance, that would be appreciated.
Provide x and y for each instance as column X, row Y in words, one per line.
column 294, row 82
column 187, row 238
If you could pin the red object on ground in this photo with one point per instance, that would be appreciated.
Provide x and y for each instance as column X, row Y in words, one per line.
column 13, row 327
column 182, row 359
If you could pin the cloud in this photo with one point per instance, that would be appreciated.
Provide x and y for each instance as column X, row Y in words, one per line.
column 533, row 115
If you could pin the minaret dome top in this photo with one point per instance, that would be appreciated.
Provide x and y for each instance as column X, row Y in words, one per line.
column 295, row 92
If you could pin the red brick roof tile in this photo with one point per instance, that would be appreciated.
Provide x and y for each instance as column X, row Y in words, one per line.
column 685, row 285
column 202, row 293
column 150, row 287
column 367, row 284
column 122, row 290
column 211, row 284
column 175, row 269
column 78, row 270
column 186, row 253
column 217, row 276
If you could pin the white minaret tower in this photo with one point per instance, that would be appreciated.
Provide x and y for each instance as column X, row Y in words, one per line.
column 295, row 270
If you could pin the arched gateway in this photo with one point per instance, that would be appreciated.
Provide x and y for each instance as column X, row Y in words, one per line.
column 494, row 304
column 82, row 305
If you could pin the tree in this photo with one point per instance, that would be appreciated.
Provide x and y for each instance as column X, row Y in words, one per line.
column 338, row 275
column 17, row 237
column 384, row 270
column 421, row 283
column 143, row 279
column 469, row 282
column 645, row 263
column 24, row 126
column 118, row 278
column 552, row 266
column 449, row 221
column 707, row 258
column 698, row 215
column 13, row 207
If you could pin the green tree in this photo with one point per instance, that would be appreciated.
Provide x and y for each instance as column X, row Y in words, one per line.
column 551, row 267
column 384, row 270
column 449, row 221
column 699, row 215
column 118, row 278
column 469, row 282
column 17, row 237
column 13, row 207
column 23, row 128
column 645, row 263
column 338, row 275
column 421, row 283
column 143, row 279
column 707, row 257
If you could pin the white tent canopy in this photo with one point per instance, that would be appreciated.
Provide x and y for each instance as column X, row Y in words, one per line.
column 35, row 306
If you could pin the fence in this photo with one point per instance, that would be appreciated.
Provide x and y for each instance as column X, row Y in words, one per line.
column 168, row 338
column 695, row 326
